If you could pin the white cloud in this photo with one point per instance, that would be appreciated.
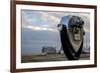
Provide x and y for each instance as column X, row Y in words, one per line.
column 50, row 19
column 39, row 28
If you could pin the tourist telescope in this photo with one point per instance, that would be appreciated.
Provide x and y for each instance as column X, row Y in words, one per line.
column 72, row 36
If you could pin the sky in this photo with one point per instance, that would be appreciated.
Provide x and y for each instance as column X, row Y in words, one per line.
column 39, row 29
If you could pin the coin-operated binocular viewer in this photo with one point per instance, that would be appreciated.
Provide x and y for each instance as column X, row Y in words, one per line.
column 72, row 35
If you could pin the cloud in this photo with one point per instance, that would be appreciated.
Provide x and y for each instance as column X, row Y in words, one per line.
column 50, row 19
column 36, row 28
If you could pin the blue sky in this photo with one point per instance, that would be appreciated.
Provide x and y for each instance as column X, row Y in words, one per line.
column 39, row 28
